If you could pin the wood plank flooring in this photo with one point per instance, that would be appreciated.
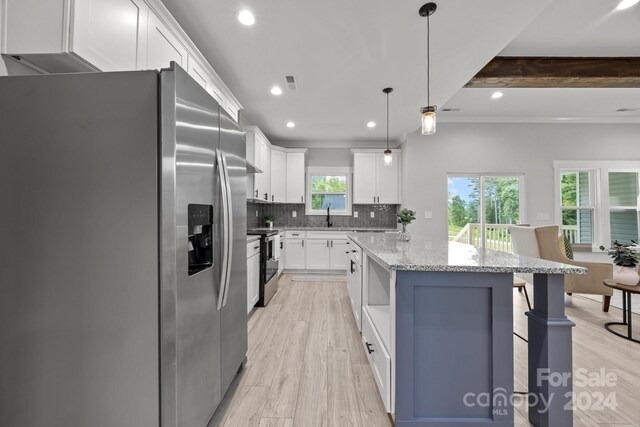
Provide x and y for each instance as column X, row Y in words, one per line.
column 306, row 366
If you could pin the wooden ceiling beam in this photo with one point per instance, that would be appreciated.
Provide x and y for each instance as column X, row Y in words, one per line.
column 558, row 72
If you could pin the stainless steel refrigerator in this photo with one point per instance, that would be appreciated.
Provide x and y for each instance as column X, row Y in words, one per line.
column 123, row 252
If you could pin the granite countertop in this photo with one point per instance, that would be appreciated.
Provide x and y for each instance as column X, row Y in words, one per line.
column 252, row 238
column 357, row 229
column 424, row 255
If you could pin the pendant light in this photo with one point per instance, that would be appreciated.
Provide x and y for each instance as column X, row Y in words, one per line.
column 388, row 156
column 428, row 112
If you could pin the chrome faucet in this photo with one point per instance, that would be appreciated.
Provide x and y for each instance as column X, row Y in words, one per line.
column 329, row 223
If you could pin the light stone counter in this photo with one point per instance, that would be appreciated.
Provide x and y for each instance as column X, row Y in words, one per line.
column 424, row 255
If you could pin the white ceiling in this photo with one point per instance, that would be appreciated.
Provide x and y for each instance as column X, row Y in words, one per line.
column 343, row 53
column 565, row 28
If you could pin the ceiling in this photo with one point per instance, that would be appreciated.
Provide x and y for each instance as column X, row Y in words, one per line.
column 342, row 55
column 565, row 28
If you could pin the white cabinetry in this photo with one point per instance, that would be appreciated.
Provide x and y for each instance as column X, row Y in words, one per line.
column 278, row 171
column 259, row 153
column 294, row 247
column 318, row 254
column 295, row 177
column 163, row 47
column 373, row 181
column 253, row 274
column 339, row 254
column 80, row 35
column 283, row 253
column 65, row 36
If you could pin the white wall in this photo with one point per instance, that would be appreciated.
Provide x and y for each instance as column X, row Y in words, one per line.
column 329, row 157
column 506, row 148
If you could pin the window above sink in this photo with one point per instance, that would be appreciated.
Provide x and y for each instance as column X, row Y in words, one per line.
column 328, row 187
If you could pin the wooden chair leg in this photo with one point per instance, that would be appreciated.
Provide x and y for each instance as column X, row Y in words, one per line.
column 526, row 295
column 606, row 301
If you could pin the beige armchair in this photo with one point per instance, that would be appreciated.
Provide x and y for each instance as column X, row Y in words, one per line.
column 550, row 246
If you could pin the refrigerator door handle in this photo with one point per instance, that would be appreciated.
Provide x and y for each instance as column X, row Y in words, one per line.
column 229, row 224
column 225, row 229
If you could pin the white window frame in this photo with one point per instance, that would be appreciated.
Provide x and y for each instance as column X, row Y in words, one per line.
column 481, row 176
column 594, row 197
column 329, row 171
column 601, row 168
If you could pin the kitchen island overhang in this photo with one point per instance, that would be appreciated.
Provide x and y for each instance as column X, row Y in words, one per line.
column 440, row 315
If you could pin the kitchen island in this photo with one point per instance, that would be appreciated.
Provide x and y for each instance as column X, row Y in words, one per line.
column 437, row 321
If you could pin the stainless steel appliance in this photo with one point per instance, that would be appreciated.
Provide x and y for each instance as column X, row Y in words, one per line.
column 269, row 263
column 123, row 256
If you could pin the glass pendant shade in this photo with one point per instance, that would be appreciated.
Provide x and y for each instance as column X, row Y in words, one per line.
column 388, row 157
column 428, row 120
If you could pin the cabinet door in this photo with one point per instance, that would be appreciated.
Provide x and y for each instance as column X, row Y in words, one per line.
column 162, row 46
column 278, row 175
column 295, row 178
column 388, row 180
column 109, row 34
column 318, row 254
column 295, row 259
column 283, row 254
column 364, row 178
column 200, row 74
column 339, row 254
column 265, row 192
column 253, row 281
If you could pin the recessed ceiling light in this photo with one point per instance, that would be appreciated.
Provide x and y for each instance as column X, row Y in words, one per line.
column 371, row 124
column 496, row 95
column 291, row 125
column 276, row 90
column 246, row 17
column 626, row 4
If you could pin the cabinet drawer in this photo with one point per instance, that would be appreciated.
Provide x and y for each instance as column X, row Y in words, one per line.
column 253, row 248
column 379, row 359
column 326, row 235
column 355, row 250
column 293, row 234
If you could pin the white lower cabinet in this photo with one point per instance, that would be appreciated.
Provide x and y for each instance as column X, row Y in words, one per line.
column 318, row 254
column 379, row 358
column 295, row 258
column 339, row 254
column 253, row 274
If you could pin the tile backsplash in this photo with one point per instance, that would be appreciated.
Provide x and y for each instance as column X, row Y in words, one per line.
column 384, row 216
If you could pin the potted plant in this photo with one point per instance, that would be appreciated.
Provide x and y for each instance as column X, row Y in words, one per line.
column 269, row 220
column 405, row 217
column 626, row 258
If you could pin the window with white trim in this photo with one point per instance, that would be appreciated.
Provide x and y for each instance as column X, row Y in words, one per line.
column 624, row 206
column 328, row 188
column 577, row 205
column 598, row 201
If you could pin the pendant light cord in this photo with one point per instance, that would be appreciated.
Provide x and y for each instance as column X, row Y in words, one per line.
column 428, row 65
column 387, row 120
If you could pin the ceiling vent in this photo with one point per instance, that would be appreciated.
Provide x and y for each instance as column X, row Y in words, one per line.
column 452, row 109
column 626, row 110
column 291, row 82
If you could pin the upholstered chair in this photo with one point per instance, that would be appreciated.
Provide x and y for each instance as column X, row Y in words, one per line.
column 550, row 246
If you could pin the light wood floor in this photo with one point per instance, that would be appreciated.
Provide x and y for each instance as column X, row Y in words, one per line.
column 306, row 366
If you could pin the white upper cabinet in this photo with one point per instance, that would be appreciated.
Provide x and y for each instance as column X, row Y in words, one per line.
column 95, row 35
column 364, row 178
column 66, row 36
column 278, row 175
column 110, row 33
column 204, row 79
column 295, row 177
column 259, row 154
column 163, row 47
column 373, row 181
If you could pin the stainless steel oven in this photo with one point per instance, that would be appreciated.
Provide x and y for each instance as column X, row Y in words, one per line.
column 269, row 261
